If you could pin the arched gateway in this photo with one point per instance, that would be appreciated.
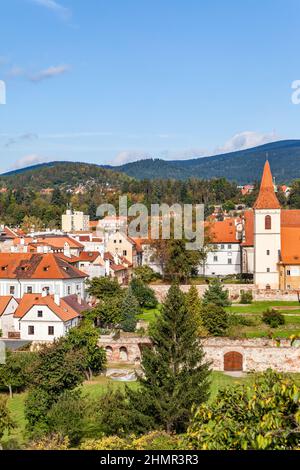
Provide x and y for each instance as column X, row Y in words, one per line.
column 233, row 361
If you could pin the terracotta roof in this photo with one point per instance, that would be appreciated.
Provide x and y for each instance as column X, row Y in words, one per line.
column 266, row 198
column 84, row 256
column 249, row 228
column 4, row 301
column 222, row 231
column 290, row 245
column 118, row 267
column 57, row 242
column 290, row 218
column 66, row 311
column 36, row 266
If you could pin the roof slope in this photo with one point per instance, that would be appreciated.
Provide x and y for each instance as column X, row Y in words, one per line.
column 67, row 310
column 266, row 198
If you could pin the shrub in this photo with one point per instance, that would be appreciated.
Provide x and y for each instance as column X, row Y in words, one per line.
column 216, row 294
column 157, row 440
column 273, row 318
column 246, row 297
column 106, row 443
column 214, row 319
column 143, row 293
column 51, row 442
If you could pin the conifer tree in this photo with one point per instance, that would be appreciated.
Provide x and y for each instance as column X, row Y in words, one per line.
column 176, row 376
column 194, row 306
column 130, row 311
column 215, row 294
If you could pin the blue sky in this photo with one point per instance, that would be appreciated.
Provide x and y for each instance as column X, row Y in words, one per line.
column 116, row 80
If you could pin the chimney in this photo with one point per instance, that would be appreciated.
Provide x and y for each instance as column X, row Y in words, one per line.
column 57, row 299
column 44, row 293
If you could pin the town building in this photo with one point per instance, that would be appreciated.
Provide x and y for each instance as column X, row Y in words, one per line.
column 75, row 221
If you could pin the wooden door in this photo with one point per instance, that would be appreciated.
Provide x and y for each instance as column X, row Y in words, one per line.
column 233, row 361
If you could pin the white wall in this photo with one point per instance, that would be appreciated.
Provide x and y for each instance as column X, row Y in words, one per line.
column 41, row 324
column 217, row 261
column 7, row 319
column 63, row 287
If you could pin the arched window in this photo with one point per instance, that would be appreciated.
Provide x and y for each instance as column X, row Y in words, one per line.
column 268, row 222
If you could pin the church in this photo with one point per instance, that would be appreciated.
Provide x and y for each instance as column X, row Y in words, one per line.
column 276, row 236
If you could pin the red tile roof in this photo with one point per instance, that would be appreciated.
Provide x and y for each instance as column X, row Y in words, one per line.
column 4, row 301
column 36, row 266
column 266, row 198
column 67, row 310
column 249, row 228
column 222, row 231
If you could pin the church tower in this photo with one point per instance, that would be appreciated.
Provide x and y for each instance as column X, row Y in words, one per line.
column 267, row 237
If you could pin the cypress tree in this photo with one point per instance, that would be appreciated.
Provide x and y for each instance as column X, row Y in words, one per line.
column 130, row 311
column 175, row 374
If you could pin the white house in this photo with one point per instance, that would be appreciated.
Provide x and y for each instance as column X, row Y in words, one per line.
column 25, row 273
column 8, row 306
column 47, row 317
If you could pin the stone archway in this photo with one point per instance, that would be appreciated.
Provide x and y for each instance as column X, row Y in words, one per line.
column 233, row 361
column 123, row 354
column 109, row 352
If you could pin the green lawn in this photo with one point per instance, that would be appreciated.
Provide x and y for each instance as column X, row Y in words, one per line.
column 259, row 307
column 95, row 388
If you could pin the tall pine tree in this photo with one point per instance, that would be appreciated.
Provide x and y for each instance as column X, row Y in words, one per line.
column 216, row 294
column 176, row 376
column 130, row 311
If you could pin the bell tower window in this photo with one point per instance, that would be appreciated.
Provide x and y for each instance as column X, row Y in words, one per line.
column 268, row 222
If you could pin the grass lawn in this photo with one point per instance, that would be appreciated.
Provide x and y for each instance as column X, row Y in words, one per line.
column 259, row 307
column 95, row 388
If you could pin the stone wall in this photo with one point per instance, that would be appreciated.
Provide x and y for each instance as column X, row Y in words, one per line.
column 234, row 292
column 257, row 354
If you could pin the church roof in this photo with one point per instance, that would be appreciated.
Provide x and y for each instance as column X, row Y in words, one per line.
column 266, row 198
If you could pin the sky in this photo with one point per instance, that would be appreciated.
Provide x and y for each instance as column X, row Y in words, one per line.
column 112, row 81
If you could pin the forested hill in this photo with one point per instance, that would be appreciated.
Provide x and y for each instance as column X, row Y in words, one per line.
column 64, row 175
column 244, row 166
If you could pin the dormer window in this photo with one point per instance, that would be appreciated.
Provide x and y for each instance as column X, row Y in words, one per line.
column 268, row 222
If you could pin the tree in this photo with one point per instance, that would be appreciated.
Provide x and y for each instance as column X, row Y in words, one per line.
column 181, row 263
column 15, row 373
column 272, row 317
column 194, row 307
column 216, row 294
column 31, row 223
column 103, row 287
column 108, row 313
column 214, row 319
column 84, row 339
column 143, row 293
column 6, row 422
column 145, row 274
column 57, row 198
column 175, row 375
column 260, row 416
column 68, row 416
column 130, row 312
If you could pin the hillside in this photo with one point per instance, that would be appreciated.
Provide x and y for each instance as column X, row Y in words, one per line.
column 244, row 166
column 65, row 175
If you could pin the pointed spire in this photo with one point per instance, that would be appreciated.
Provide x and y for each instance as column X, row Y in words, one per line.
column 266, row 198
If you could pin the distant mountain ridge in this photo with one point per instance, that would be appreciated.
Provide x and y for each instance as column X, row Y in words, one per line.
column 243, row 166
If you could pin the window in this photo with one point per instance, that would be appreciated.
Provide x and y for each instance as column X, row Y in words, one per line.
column 11, row 290
column 40, row 313
column 268, row 252
column 124, row 252
column 31, row 330
column 215, row 258
column 222, row 247
column 115, row 241
column 229, row 247
column 229, row 261
column 29, row 289
column 120, row 241
column 69, row 290
column 288, row 272
column 50, row 330
column 268, row 222
column 268, row 270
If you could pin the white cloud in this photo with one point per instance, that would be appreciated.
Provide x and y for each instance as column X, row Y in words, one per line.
column 60, row 10
column 28, row 160
column 50, row 72
column 128, row 156
column 184, row 154
column 245, row 140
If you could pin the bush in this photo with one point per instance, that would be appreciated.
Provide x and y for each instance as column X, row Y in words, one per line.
column 106, row 443
column 246, row 297
column 157, row 440
column 273, row 318
column 215, row 294
column 146, row 274
column 236, row 320
column 51, row 442
column 215, row 319
column 143, row 293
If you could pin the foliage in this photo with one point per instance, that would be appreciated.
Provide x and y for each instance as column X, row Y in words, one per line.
column 215, row 294
column 157, row 440
column 145, row 274
column 84, row 339
column 272, row 317
column 51, row 442
column 194, row 306
column 130, row 311
column 68, row 415
column 215, row 319
column 246, row 297
column 6, row 422
column 143, row 293
column 15, row 373
column 175, row 373
column 103, row 288
column 106, row 443
column 261, row 416
column 181, row 263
